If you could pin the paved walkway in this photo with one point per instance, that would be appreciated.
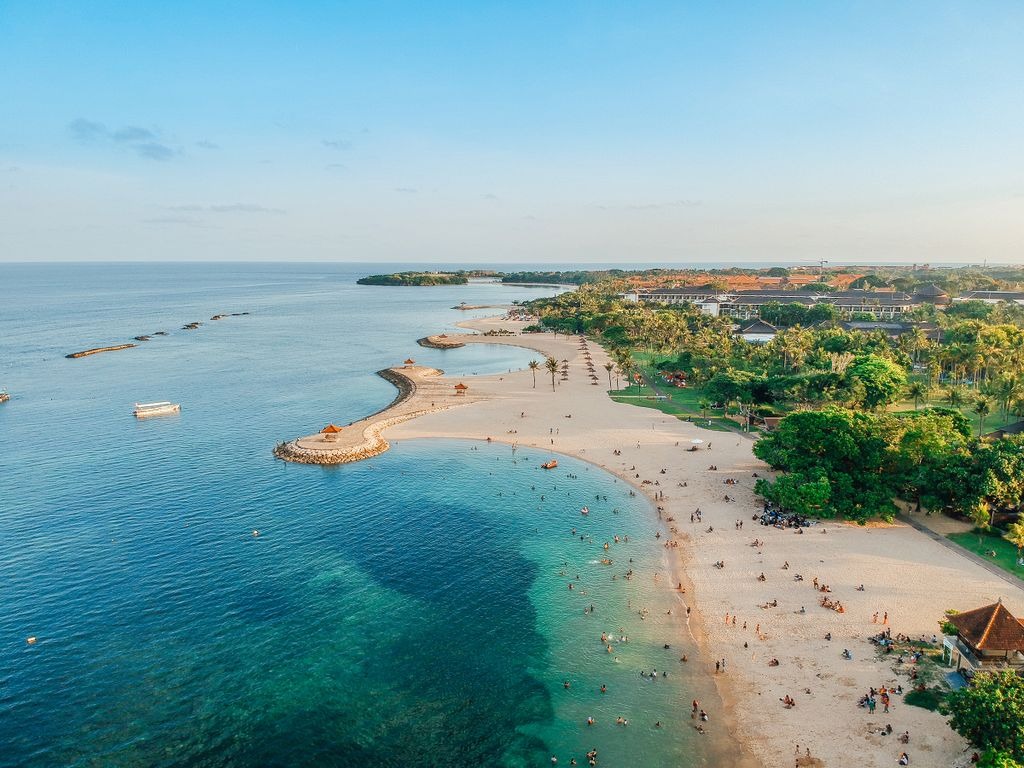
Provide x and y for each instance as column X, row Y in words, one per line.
column 995, row 570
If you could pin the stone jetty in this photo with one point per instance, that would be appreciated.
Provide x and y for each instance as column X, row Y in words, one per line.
column 440, row 341
column 97, row 350
column 421, row 390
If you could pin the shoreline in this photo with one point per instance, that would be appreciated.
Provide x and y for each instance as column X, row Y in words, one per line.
column 905, row 573
column 724, row 743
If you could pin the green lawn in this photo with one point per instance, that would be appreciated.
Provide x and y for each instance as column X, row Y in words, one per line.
column 929, row 698
column 980, row 543
column 683, row 403
column 647, row 399
column 937, row 398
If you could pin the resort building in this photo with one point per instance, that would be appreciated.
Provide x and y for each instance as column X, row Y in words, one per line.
column 684, row 294
column 892, row 329
column 759, row 332
column 744, row 305
column 883, row 305
column 932, row 294
column 993, row 297
column 986, row 638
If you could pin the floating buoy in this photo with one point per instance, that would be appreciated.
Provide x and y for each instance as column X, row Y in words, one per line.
column 31, row 640
column 255, row 532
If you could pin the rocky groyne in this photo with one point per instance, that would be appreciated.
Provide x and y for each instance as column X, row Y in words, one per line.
column 98, row 350
column 440, row 341
column 363, row 439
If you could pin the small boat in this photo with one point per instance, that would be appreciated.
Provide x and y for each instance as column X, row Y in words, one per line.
column 145, row 410
column 549, row 464
column 585, row 511
column 4, row 397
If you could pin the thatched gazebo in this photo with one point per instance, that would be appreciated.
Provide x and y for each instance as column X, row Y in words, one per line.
column 330, row 432
column 408, row 362
column 985, row 638
column 460, row 388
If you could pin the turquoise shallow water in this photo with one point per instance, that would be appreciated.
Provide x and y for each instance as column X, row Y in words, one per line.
column 409, row 610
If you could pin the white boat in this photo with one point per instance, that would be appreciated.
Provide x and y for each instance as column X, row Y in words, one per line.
column 145, row 410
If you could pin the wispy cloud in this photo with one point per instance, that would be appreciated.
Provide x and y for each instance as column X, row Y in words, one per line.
column 131, row 133
column 339, row 145
column 335, row 167
column 154, row 150
column 229, row 208
column 145, row 142
column 489, row 196
column 87, row 130
column 407, row 190
column 207, row 145
column 178, row 221
column 651, row 206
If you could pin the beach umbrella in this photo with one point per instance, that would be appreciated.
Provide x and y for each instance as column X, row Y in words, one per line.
column 460, row 388
column 409, row 361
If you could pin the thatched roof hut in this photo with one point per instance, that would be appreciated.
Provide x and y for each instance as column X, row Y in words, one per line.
column 330, row 432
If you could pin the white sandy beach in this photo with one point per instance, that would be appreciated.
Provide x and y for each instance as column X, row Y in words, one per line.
column 904, row 572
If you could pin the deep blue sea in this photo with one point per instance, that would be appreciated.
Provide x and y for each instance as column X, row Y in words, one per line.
column 410, row 610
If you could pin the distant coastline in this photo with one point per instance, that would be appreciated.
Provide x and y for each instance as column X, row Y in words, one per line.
column 417, row 279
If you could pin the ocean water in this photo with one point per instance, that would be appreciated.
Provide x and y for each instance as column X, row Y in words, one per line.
column 409, row 610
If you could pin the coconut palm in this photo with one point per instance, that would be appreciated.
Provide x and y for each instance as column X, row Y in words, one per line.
column 704, row 404
column 534, row 365
column 955, row 396
column 1006, row 389
column 982, row 407
column 917, row 391
column 551, row 365
column 608, row 367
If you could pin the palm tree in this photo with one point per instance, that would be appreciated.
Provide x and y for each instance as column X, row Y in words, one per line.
column 608, row 367
column 704, row 405
column 917, row 391
column 982, row 407
column 955, row 396
column 1006, row 389
column 551, row 365
column 1015, row 535
column 534, row 365
column 628, row 366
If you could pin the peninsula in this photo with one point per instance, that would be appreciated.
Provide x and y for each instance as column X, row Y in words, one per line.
column 415, row 279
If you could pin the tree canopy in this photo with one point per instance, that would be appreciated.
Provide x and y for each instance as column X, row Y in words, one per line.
column 854, row 464
column 883, row 380
column 989, row 713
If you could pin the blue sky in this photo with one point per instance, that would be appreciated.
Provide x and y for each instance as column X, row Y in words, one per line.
column 512, row 132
